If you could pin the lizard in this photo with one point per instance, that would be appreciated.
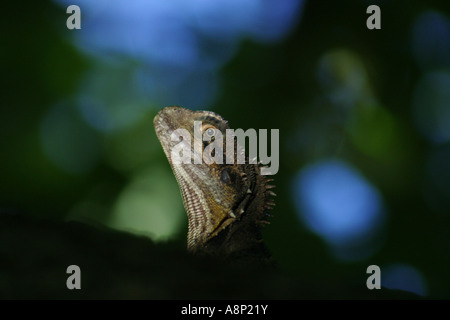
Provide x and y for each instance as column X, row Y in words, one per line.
column 227, row 204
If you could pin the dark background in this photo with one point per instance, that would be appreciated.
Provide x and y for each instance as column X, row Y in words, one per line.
column 77, row 140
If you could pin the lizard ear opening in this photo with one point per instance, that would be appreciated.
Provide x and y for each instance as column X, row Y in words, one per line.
column 227, row 176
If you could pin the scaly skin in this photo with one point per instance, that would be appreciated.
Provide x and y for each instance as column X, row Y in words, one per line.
column 226, row 203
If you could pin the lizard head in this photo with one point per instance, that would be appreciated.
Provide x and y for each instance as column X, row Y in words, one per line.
column 226, row 202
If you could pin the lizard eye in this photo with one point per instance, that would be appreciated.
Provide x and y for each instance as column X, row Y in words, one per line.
column 210, row 132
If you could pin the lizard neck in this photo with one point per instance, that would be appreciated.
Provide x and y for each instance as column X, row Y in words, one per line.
column 238, row 245
column 242, row 240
